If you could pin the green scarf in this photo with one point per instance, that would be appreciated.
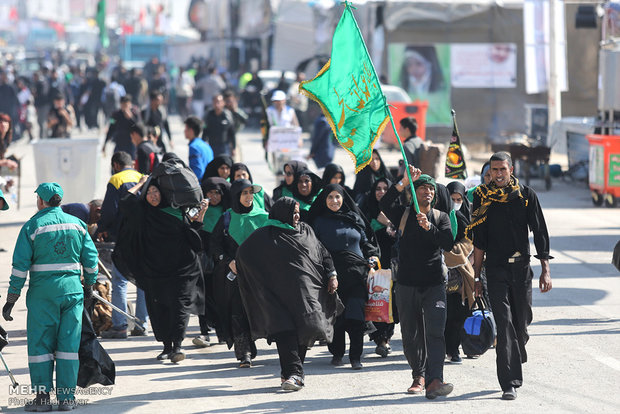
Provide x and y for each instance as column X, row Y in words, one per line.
column 488, row 194
column 302, row 204
column 453, row 223
column 174, row 212
column 278, row 223
column 211, row 217
column 259, row 199
column 242, row 225
column 376, row 226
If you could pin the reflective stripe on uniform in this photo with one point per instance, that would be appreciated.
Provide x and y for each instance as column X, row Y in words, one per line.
column 19, row 273
column 90, row 270
column 57, row 227
column 67, row 355
column 54, row 267
column 33, row 359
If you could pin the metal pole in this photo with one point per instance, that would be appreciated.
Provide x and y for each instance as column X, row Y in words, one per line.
column 15, row 383
column 137, row 320
column 554, row 97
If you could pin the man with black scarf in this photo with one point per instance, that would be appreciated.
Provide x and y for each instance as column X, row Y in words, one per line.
column 504, row 211
column 420, row 289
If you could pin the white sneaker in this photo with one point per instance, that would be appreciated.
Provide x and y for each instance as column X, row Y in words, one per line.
column 201, row 341
column 294, row 383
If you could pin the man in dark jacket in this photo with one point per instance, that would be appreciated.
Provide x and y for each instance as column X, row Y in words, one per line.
column 124, row 178
column 148, row 154
column 504, row 213
column 119, row 130
column 322, row 150
column 420, row 289
column 219, row 129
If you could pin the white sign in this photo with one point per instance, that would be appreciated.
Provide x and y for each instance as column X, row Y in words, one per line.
column 284, row 138
column 536, row 40
column 483, row 65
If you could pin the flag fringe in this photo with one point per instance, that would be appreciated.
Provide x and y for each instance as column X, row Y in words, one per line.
column 330, row 120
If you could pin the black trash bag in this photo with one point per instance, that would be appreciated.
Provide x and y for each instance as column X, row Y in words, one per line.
column 479, row 331
column 4, row 339
column 96, row 366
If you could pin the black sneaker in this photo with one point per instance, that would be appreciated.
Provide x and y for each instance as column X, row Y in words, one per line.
column 40, row 404
column 337, row 361
column 138, row 331
column 67, row 405
column 382, row 351
column 246, row 362
column 456, row 359
column 176, row 355
column 356, row 365
column 510, row 394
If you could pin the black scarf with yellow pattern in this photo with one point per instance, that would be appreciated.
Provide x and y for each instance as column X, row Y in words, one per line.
column 488, row 194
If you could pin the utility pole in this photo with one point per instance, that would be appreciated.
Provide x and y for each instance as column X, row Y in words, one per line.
column 554, row 96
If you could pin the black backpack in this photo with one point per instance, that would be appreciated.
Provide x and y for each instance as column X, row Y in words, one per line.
column 178, row 183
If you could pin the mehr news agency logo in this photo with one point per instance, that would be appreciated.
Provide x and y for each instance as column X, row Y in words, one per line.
column 26, row 390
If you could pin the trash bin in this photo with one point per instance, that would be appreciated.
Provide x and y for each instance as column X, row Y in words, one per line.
column 72, row 163
column 604, row 171
column 417, row 109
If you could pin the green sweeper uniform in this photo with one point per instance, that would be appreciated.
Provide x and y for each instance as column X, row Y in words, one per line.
column 53, row 246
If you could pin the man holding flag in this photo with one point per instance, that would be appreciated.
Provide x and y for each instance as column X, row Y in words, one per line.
column 348, row 90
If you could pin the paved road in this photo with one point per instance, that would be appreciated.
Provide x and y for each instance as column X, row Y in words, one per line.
column 574, row 349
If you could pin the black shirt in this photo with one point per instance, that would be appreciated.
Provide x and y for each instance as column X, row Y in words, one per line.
column 505, row 230
column 220, row 129
column 420, row 250
column 119, row 131
column 147, row 157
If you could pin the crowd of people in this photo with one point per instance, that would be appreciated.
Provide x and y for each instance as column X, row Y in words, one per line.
column 290, row 267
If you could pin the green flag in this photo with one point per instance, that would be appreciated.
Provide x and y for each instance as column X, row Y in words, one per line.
column 348, row 91
column 100, row 19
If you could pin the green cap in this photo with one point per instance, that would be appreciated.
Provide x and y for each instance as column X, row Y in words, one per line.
column 426, row 179
column 5, row 205
column 48, row 190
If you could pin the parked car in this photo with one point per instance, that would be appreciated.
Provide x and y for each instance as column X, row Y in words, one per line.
column 271, row 78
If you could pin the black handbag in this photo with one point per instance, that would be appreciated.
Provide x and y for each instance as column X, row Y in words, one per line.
column 479, row 330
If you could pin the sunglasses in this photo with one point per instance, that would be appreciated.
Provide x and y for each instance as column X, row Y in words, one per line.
column 306, row 181
column 288, row 173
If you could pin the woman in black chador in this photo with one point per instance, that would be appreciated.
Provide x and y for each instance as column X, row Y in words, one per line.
column 287, row 282
column 160, row 247
column 368, row 175
column 343, row 230
column 235, row 225
column 385, row 231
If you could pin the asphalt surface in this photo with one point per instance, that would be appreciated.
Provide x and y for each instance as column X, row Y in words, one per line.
column 574, row 348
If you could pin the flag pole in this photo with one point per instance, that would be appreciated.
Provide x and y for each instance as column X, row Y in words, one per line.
column 402, row 151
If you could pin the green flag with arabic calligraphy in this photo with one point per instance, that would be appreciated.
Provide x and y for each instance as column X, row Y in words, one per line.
column 348, row 91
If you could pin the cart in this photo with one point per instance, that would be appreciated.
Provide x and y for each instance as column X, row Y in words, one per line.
column 604, row 171
column 284, row 145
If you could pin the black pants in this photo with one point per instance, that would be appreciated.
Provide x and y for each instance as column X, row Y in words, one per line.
column 291, row 354
column 355, row 329
column 422, row 313
column 240, row 326
column 168, row 318
column 455, row 317
column 510, row 292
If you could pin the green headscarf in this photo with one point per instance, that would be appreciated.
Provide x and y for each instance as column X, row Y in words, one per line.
column 211, row 217
column 242, row 225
